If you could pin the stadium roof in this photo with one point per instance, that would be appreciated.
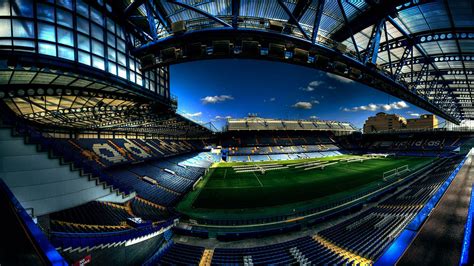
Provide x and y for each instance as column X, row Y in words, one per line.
column 421, row 50
column 256, row 123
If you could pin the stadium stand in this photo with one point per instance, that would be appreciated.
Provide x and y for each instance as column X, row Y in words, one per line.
column 437, row 143
column 358, row 240
column 183, row 254
column 96, row 162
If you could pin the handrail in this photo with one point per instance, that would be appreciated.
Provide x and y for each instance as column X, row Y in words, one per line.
column 39, row 239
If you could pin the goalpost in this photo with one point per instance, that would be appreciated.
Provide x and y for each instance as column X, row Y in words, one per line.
column 395, row 172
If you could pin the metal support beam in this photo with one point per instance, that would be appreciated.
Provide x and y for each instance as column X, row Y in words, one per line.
column 317, row 20
column 299, row 10
column 132, row 7
column 374, row 43
column 426, row 37
column 235, row 13
column 410, row 38
column 423, row 71
column 201, row 12
column 346, row 21
column 376, row 11
column 451, row 19
column 151, row 20
column 402, row 61
column 292, row 17
column 160, row 13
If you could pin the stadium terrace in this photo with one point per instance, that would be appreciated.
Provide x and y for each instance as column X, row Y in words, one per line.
column 99, row 166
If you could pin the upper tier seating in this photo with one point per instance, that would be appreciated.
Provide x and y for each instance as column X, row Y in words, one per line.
column 275, row 138
column 434, row 144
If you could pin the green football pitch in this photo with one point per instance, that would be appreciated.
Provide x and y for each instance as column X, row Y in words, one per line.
column 225, row 193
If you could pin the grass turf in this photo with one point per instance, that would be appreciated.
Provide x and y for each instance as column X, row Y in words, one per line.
column 224, row 192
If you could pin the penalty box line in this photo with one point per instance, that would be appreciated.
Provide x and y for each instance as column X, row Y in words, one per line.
column 258, row 179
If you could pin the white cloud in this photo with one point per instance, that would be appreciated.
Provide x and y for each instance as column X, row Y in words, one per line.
column 376, row 107
column 315, row 101
column 303, row 105
column 339, row 78
column 415, row 114
column 395, row 105
column 312, row 85
column 216, row 99
column 198, row 114
column 313, row 117
column 218, row 117
column 269, row 100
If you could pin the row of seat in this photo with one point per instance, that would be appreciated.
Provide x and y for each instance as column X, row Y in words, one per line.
column 282, row 157
column 281, row 149
column 274, row 138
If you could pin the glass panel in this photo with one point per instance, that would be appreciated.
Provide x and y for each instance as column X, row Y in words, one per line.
column 132, row 76
column 82, row 8
column 45, row 12
column 5, row 28
column 46, row 48
column 97, row 32
column 64, row 18
column 4, row 8
column 83, row 42
column 84, row 58
column 65, row 3
column 120, row 32
column 131, row 64
column 110, row 39
column 121, row 58
column 111, row 54
column 24, row 8
column 96, row 16
column 112, row 68
column 98, row 62
column 23, row 29
column 6, row 42
column 110, row 25
column 46, row 32
column 83, row 25
column 25, row 44
column 65, row 37
column 121, row 45
column 122, row 72
column 66, row 52
column 97, row 48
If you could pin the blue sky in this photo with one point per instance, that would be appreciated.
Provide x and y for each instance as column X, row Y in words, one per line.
column 211, row 90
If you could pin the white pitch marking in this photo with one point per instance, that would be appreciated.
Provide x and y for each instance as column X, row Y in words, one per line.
column 257, row 179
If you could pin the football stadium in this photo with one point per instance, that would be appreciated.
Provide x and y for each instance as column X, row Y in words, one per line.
column 236, row 132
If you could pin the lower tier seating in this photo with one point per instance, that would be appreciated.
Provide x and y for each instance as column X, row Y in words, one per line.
column 180, row 254
column 90, row 217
